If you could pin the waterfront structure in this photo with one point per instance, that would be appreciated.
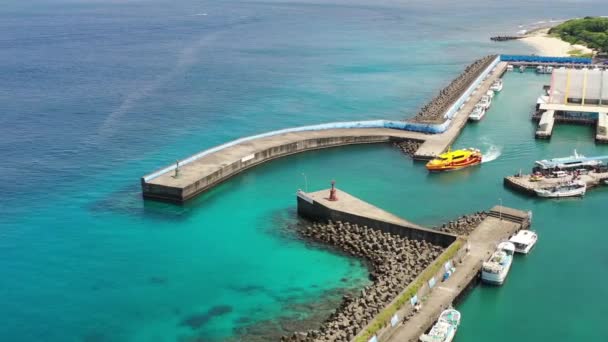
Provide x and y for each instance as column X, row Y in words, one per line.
column 575, row 96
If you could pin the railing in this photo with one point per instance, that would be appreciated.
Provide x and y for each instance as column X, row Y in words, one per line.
column 545, row 59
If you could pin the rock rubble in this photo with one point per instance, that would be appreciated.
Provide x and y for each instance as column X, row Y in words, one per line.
column 463, row 225
column 394, row 261
column 435, row 109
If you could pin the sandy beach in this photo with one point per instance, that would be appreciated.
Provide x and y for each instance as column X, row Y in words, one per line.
column 551, row 46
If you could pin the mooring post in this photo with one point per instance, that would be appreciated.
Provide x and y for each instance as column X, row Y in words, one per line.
column 332, row 192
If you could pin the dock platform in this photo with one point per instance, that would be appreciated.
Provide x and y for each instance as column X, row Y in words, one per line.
column 545, row 125
column 498, row 226
column 522, row 183
column 500, row 223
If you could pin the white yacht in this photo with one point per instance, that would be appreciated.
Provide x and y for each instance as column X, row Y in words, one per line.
column 485, row 101
column 496, row 86
column 575, row 161
column 445, row 328
column 478, row 113
column 495, row 270
column 524, row 240
column 570, row 189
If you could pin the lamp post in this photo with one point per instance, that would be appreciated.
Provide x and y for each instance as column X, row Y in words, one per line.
column 305, row 182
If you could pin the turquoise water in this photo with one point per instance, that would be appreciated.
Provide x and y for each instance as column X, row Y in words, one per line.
column 97, row 93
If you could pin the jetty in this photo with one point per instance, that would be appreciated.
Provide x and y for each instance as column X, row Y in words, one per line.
column 191, row 176
column 396, row 319
column 525, row 184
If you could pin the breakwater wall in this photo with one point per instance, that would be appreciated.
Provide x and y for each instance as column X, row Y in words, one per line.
column 446, row 103
column 350, row 209
column 193, row 175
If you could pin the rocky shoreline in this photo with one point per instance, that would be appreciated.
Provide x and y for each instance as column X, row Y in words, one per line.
column 435, row 109
column 463, row 225
column 408, row 146
column 394, row 263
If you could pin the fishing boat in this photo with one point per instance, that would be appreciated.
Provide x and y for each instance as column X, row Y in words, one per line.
column 485, row 101
column 478, row 113
column 495, row 270
column 575, row 161
column 455, row 160
column 523, row 241
column 496, row 86
column 445, row 328
column 569, row 189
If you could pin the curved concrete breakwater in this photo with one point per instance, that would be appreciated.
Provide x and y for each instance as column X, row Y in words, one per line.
column 436, row 126
column 394, row 260
column 434, row 111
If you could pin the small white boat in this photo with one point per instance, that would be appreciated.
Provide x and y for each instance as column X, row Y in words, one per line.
column 509, row 67
column 570, row 189
column 524, row 240
column 544, row 69
column 495, row 270
column 522, row 68
column 490, row 93
column 478, row 113
column 606, row 181
column 485, row 101
column 445, row 328
column 497, row 85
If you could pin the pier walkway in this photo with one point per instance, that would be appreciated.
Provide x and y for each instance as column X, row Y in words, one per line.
column 498, row 226
column 200, row 172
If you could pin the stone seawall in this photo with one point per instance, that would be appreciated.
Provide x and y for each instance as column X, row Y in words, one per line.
column 320, row 212
column 437, row 107
column 395, row 262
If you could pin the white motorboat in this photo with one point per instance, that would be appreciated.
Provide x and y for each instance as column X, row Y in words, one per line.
column 485, row 101
column 496, row 86
column 478, row 113
column 509, row 67
column 495, row 270
column 569, row 189
column 522, row 68
column 445, row 328
column 490, row 93
column 524, row 240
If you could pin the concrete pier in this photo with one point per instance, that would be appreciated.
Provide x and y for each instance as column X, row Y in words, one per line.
column 601, row 135
column 467, row 257
column 498, row 226
column 524, row 184
column 545, row 125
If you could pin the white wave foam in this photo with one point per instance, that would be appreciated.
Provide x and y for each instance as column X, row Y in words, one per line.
column 492, row 154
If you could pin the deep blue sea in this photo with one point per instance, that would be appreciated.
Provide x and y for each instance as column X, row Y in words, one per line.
column 96, row 93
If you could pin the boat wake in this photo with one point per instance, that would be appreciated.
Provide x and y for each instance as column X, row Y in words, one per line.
column 492, row 154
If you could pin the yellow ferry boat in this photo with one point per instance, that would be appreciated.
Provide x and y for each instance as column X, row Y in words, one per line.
column 455, row 160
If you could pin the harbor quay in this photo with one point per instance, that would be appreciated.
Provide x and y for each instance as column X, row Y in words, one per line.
column 526, row 183
column 408, row 264
column 432, row 131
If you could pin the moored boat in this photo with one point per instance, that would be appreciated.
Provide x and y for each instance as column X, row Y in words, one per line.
column 495, row 270
column 485, row 101
column 570, row 189
column 455, row 160
column 497, row 85
column 478, row 113
column 524, row 240
column 445, row 328
column 575, row 161
column 490, row 93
